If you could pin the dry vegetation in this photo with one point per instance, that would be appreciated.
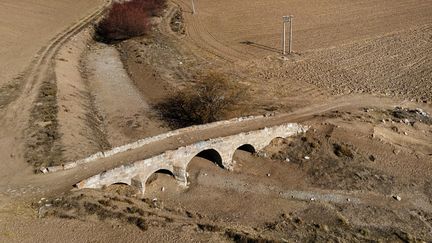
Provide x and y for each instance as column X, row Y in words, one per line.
column 128, row 19
column 322, row 185
column 207, row 101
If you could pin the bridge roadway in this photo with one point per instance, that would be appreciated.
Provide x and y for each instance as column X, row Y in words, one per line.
column 220, row 150
column 52, row 183
column 188, row 136
column 192, row 136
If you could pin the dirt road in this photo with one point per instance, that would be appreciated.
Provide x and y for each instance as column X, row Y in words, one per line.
column 28, row 25
column 17, row 98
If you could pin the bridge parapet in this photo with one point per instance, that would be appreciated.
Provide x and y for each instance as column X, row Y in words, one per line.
column 220, row 150
column 145, row 141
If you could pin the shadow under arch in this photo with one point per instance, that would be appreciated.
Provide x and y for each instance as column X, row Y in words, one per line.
column 247, row 148
column 120, row 183
column 211, row 155
column 153, row 176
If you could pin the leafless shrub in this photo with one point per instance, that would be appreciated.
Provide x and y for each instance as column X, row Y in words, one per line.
column 128, row 19
column 205, row 102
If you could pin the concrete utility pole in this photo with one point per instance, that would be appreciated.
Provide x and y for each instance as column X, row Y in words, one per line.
column 287, row 19
column 193, row 7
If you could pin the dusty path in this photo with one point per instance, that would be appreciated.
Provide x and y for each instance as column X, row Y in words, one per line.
column 15, row 115
column 27, row 25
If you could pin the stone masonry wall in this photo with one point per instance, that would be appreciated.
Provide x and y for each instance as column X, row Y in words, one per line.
column 177, row 160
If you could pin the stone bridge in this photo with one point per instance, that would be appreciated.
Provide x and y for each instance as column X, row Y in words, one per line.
column 218, row 150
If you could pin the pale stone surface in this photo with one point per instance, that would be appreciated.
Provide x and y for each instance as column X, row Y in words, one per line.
column 176, row 161
column 142, row 142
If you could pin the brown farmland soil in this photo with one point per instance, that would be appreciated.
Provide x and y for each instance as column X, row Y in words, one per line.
column 360, row 77
column 224, row 26
column 28, row 25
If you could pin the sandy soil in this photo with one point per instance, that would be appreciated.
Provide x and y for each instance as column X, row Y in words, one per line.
column 79, row 121
column 125, row 112
column 28, row 25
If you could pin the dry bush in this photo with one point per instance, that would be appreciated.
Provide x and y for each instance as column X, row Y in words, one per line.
column 128, row 19
column 153, row 7
column 205, row 102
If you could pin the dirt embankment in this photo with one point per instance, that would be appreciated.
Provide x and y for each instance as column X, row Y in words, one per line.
column 65, row 124
column 325, row 184
column 81, row 126
column 28, row 105
column 380, row 65
column 124, row 111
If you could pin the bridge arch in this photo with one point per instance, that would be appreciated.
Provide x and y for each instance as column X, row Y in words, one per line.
column 219, row 150
column 120, row 183
column 153, row 175
column 140, row 180
column 247, row 148
column 209, row 154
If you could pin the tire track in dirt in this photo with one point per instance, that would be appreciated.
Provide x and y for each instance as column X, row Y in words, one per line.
column 36, row 69
column 15, row 118
column 202, row 39
column 79, row 122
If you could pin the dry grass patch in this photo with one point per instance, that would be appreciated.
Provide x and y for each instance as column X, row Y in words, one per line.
column 207, row 101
